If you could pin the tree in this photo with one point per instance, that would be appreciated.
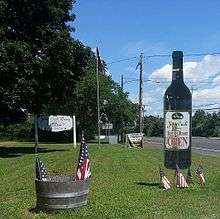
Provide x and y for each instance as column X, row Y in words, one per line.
column 206, row 124
column 39, row 61
column 114, row 104
column 198, row 123
column 153, row 126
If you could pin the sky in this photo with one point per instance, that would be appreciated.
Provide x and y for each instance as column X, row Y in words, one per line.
column 124, row 29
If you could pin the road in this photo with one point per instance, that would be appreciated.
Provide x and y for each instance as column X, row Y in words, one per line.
column 208, row 146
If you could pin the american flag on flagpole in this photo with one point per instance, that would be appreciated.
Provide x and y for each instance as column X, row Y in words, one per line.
column 102, row 66
column 41, row 171
column 164, row 182
column 180, row 179
column 83, row 169
column 200, row 174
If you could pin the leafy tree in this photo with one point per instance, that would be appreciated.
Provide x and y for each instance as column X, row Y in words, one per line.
column 114, row 104
column 198, row 123
column 153, row 126
column 206, row 124
column 39, row 61
column 41, row 64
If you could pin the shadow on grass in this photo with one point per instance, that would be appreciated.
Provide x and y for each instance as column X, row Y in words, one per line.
column 37, row 210
column 11, row 152
column 147, row 184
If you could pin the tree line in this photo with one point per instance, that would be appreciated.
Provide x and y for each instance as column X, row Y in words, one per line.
column 44, row 70
column 203, row 124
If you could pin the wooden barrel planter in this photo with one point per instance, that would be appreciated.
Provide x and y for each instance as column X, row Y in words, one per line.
column 61, row 192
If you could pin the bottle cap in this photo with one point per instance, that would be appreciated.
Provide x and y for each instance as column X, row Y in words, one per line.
column 178, row 54
column 177, row 60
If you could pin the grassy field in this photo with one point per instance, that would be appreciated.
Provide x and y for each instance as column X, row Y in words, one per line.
column 125, row 183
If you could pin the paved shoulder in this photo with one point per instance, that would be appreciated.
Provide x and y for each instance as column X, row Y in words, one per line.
column 208, row 146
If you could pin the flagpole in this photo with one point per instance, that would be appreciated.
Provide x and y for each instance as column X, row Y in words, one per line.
column 98, row 106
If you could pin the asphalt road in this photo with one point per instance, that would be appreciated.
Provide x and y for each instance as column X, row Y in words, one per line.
column 208, row 146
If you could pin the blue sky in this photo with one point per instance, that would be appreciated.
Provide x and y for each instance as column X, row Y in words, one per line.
column 124, row 29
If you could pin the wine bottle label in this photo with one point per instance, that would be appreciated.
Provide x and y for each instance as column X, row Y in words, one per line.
column 177, row 130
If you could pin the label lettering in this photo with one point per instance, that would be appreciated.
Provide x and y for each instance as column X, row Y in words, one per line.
column 177, row 132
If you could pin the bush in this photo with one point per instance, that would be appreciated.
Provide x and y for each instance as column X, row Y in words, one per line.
column 25, row 132
column 19, row 131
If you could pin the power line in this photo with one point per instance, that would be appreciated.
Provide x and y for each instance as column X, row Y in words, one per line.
column 210, row 104
column 129, row 80
column 122, row 60
column 158, row 56
column 164, row 55
column 202, row 54
column 214, row 108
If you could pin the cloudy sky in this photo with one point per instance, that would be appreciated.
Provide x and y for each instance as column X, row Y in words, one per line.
column 124, row 29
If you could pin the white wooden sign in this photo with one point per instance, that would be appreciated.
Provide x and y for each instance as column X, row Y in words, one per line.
column 55, row 123
column 135, row 139
column 107, row 126
column 60, row 123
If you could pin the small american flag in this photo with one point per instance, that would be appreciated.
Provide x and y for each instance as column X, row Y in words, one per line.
column 180, row 179
column 164, row 182
column 41, row 171
column 200, row 174
column 83, row 169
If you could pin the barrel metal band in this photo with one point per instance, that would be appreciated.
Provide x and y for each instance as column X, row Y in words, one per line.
column 75, row 205
column 63, row 195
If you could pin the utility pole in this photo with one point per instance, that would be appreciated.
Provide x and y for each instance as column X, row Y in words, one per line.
column 141, row 95
column 122, row 82
column 122, row 134
column 97, row 95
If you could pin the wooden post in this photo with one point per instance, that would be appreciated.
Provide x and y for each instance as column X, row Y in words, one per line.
column 35, row 133
column 74, row 132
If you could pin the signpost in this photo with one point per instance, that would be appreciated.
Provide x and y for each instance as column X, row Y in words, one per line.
column 107, row 127
column 56, row 123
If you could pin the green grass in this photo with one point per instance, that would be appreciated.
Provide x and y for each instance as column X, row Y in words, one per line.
column 124, row 183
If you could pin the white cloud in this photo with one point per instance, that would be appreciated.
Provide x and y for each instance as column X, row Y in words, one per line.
column 206, row 71
column 148, row 99
column 207, row 68
column 204, row 75
column 207, row 95
column 216, row 80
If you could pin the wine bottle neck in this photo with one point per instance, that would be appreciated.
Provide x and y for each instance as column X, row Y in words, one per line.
column 177, row 75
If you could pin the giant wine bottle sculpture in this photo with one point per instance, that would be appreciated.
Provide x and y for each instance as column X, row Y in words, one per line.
column 177, row 118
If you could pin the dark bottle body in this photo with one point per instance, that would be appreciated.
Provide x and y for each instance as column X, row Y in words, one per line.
column 177, row 118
